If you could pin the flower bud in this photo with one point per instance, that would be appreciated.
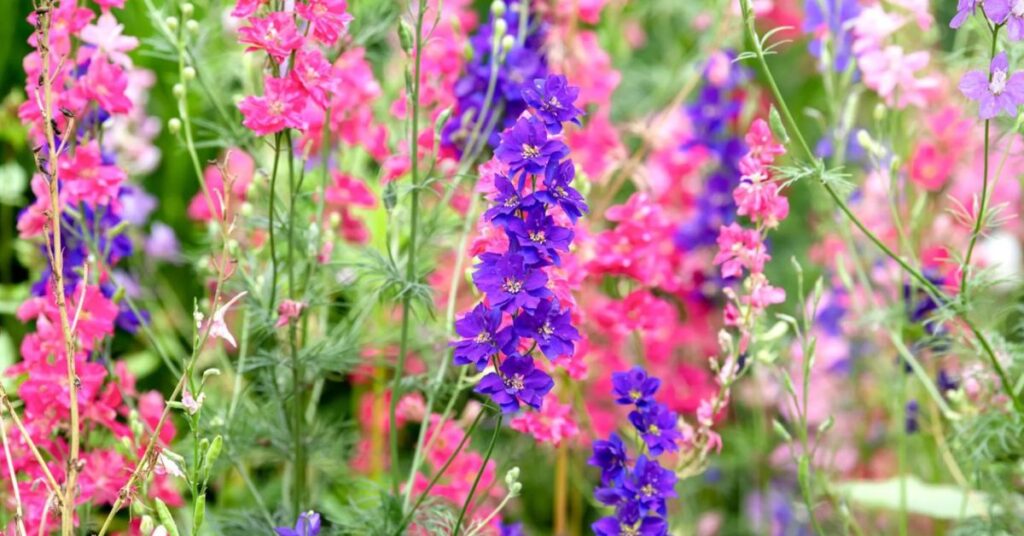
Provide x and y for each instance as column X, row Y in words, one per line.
column 507, row 43
column 174, row 125
column 500, row 27
column 405, row 36
column 512, row 476
column 515, row 489
column 335, row 219
column 178, row 90
column 246, row 209
column 187, row 9
column 192, row 26
column 498, row 8
column 147, row 525
column 211, row 372
column 188, row 73
column 172, row 23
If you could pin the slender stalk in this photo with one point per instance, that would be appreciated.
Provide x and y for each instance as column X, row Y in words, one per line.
column 561, row 489
column 298, row 417
column 979, row 218
column 440, row 472
column 915, row 274
column 51, row 482
column 270, row 223
column 410, row 267
column 18, row 510
column 479, row 474
column 56, row 254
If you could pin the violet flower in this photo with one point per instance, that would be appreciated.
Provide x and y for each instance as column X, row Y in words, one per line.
column 997, row 93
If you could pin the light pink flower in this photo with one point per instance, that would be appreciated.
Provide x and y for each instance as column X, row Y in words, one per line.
column 106, row 36
column 218, row 328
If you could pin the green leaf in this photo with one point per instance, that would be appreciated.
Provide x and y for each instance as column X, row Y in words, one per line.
column 938, row 501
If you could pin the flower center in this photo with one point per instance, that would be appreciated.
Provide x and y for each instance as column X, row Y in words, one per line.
column 512, row 201
column 515, row 381
column 654, row 430
column 635, row 395
column 647, row 490
column 546, row 330
column 276, row 107
column 552, row 103
column 271, row 34
column 560, row 191
column 512, row 285
column 482, row 338
column 628, row 530
column 998, row 84
column 530, row 151
column 537, row 236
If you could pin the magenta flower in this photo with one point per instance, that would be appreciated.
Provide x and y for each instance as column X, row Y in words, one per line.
column 274, row 34
column 997, row 93
column 280, row 108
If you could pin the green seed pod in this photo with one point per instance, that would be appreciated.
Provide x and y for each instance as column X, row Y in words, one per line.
column 405, row 36
column 166, row 519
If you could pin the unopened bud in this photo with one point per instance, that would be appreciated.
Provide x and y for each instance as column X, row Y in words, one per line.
column 192, row 26
column 174, row 125
column 500, row 27
column 507, row 43
column 498, row 8
column 188, row 73
column 178, row 90
column 187, row 9
column 172, row 23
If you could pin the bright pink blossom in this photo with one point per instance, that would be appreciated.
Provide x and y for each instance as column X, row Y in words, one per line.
column 274, row 34
column 279, row 108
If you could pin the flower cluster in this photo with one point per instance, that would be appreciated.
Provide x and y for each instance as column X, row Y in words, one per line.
column 495, row 90
column 519, row 306
column 638, row 487
column 741, row 250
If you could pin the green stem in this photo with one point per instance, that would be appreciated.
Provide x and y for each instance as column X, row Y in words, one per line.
column 980, row 216
column 410, row 268
column 298, row 443
column 440, row 472
column 270, row 224
column 927, row 285
column 479, row 474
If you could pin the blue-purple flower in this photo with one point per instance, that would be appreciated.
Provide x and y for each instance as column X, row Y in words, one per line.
column 650, row 485
column 308, row 524
column 550, row 327
column 526, row 147
column 558, row 190
column 610, row 456
column 517, row 381
column 997, row 92
column 508, row 282
column 553, row 99
column 507, row 201
column 538, row 238
column 631, row 522
column 483, row 337
column 831, row 18
column 658, row 426
column 634, row 386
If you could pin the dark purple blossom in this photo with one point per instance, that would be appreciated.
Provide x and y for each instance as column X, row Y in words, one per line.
column 553, row 99
column 507, row 201
column 651, row 484
column 508, row 282
column 526, row 147
column 610, row 456
column 482, row 337
column 629, row 521
column 550, row 327
column 308, row 524
column 658, row 426
column 517, row 381
column 996, row 92
column 635, row 387
column 538, row 237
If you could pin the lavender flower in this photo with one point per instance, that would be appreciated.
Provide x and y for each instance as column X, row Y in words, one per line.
column 518, row 381
column 998, row 92
column 831, row 18
column 964, row 9
column 1010, row 12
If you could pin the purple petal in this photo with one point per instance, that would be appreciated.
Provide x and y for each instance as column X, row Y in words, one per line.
column 974, row 85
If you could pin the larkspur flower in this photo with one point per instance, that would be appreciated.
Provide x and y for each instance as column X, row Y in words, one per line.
column 508, row 282
column 831, row 19
column 327, row 18
column 507, row 201
column 964, row 9
column 629, row 522
column 308, row 524
column 609, row 456
column 538, row 237
column 658, row 426
column 483, row 337
column 517, row 382
column 218, row 328
column 650, row 485
column 997, row 93
column 276, row 35
column 527, row 148
column 279, row 108
column 635, row 387
column 558, row 190
column 550, row 327
column 1009, row 12
column 553, row 99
